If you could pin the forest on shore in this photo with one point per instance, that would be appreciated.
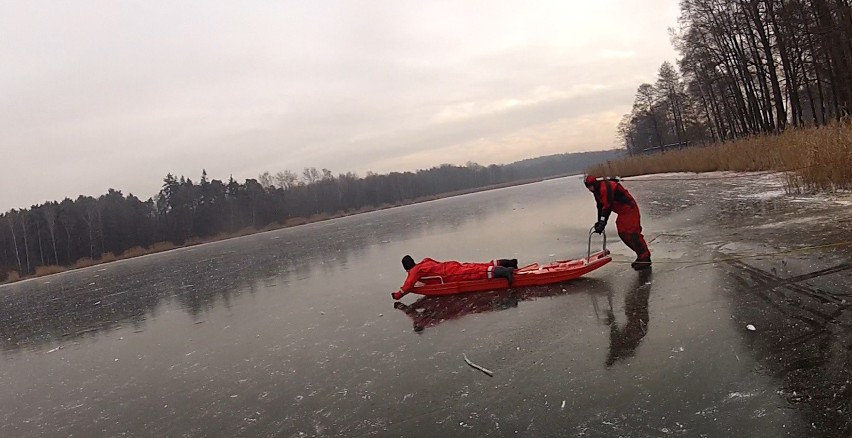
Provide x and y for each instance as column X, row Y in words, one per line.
column 55, row 236
column 761, row 85
column 746, row 68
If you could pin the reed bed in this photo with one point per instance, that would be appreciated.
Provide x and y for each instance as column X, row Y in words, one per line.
column 44, row 270
column 817, row 159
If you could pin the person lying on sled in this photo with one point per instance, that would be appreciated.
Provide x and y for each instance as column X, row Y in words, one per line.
column 455, row 271
column 611, row 196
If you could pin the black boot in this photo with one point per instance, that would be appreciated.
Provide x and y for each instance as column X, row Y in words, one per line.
column 513, row 263
column 504, row 272
column 641, row 263
column 643, row 256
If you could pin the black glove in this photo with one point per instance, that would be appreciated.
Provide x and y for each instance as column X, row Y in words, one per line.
column 599, row 227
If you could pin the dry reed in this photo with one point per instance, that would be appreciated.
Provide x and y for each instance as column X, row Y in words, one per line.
column 818, row 158
column 136, row 251
column 12, row 276
column 162, row 246
column 48, row 270
column 84, row 262
column 295, row 221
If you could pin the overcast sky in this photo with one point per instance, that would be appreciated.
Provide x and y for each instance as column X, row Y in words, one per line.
column 106, row 94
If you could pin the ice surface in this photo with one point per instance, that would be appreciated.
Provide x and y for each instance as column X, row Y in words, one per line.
column 293, row 332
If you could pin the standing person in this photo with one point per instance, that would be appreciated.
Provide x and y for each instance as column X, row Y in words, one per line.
column 453, row 271
column 611, row 196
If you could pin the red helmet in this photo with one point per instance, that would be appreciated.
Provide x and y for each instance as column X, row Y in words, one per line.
column 590, row 179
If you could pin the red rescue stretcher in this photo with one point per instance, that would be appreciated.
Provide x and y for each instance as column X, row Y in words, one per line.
column 530, row 275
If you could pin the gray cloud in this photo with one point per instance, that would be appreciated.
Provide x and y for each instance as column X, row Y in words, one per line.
column 97, row 95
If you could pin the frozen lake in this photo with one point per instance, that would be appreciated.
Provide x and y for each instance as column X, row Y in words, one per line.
column 293, row 333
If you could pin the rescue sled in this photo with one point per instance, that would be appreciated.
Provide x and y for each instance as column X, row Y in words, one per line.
column 530, row 275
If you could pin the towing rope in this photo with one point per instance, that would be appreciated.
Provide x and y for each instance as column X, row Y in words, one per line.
column 745, row 256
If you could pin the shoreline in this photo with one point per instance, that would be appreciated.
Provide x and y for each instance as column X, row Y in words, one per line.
column 840, row 197
column 293, row 223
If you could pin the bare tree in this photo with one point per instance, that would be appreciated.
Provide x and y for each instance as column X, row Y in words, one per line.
column 265, row 180
column 286, row 179
column 310, row 175
column 49, row 214
column 749, row 66
column 11, row 216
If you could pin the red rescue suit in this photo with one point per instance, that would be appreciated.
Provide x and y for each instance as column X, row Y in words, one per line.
column 613, row 197
column 448, row 271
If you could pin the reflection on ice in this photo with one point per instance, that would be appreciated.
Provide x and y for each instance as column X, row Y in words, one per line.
column 623, row 340
column 432, row 311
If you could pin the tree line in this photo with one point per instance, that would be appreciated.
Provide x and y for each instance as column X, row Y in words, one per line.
column 89, row 228
column 746, row 67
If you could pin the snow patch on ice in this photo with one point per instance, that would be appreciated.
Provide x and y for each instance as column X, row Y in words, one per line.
column 688, row 175
column 796, row 221
column 735, row 247
column 840, row 198
column 843, row 198
column 769, row 194
column 739, row 395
